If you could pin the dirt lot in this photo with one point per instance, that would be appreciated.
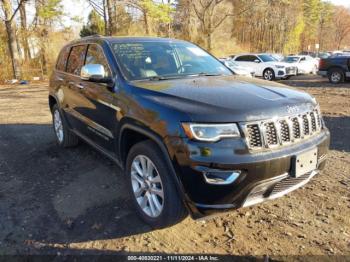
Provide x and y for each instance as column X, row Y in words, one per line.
column 74, row 201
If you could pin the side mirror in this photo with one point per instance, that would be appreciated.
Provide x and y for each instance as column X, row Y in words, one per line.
column 94, row 73
column 256, row 61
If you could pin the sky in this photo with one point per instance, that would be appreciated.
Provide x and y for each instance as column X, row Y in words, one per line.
column 341, row 2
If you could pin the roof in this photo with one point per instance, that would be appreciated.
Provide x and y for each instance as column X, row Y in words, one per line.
column 124, row 39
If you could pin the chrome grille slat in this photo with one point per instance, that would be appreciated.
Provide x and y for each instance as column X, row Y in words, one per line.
column 313, row 122
column 282, row 131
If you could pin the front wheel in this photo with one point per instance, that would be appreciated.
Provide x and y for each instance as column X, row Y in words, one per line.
column 152, row 188
column 269, row 74
column 336, row 76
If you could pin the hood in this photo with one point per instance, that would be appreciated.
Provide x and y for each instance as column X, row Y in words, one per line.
column 225, row 98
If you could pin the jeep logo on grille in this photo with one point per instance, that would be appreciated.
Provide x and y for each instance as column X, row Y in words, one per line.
column 292, row 109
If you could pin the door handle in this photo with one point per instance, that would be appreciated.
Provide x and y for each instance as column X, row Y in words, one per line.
column 80, row 86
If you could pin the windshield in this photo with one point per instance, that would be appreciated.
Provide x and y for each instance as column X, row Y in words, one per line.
column 267, row 58
column 158, row 60
column 230, row 63
column 291, row 59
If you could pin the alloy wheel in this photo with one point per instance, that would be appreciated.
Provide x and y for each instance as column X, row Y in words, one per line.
column 58, row 125
column 147, row 186
column 268, row 75
column 335, row 77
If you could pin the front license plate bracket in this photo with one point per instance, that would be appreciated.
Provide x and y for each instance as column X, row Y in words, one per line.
column 304, row 163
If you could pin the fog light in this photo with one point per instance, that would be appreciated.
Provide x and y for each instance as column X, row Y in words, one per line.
column 221, row 177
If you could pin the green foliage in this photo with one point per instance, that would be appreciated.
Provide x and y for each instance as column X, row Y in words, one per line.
column 159, row 12
column 293, row 43
column 312, row 13
column 51, row 9
column 94, row 26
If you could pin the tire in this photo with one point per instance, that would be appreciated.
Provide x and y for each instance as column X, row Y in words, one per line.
column 167, row 206
column 336, row 76
column 269, row 74
column 64, row 137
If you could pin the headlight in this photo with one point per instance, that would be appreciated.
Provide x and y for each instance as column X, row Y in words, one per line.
column 280, row 66
column 210, row 132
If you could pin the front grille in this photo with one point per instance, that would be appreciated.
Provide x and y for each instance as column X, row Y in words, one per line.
column 271, row 134
column 306, row 127
column 313, row 122
column 254, row 136
column 290, row 70
column 285, row 133
column 278, row 132
column 296, row 128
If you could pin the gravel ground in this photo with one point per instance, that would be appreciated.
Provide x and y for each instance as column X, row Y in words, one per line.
column 74, row 201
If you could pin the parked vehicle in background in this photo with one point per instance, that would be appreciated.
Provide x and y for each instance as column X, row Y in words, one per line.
column 238, row 69
column 304, row 64
column 266, row 66
column 336, row 68
column 316, row 56
column 278, row 57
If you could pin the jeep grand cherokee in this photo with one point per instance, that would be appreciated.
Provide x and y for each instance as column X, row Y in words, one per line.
column 191, row 136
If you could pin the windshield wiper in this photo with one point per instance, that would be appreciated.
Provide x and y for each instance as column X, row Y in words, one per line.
column 207, row 74
column 157, row 78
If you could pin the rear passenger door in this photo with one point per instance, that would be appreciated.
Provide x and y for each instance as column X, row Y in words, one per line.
column 249, row 61
column 73, row 96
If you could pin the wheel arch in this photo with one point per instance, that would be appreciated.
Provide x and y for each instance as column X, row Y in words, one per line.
column 336, row 67
column 147, row 134
column 52, row 101
column 267, row 68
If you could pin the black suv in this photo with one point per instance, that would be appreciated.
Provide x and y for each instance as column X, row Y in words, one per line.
column 336, row 68
column 191, row 136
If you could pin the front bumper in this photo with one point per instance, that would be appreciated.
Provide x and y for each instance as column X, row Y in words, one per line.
column 273, row 168
column 287, row 71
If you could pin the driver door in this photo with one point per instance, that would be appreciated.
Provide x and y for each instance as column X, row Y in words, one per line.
column 99, row 108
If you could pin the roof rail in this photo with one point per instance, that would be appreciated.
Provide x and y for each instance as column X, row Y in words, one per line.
column 91, row 36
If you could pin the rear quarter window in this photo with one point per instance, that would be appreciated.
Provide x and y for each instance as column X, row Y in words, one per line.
column 76, row 59
column 62, row 59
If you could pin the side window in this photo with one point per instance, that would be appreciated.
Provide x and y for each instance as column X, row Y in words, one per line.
column 62, row 59
column 76, row 59
column 252, row 58
column 247, row 58
column 243, row 58
column 95, row 55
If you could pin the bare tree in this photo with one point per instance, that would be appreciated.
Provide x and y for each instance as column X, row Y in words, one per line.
column 342, row 25
column 9, row 16
column 24, row 31
column 211, row 14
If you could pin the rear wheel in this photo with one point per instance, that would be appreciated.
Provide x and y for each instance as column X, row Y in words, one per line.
column 269, row 74
column 64, row 136
column 336, row 76
column 152, row 188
